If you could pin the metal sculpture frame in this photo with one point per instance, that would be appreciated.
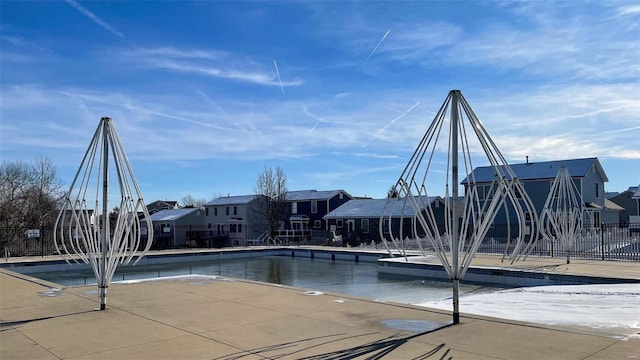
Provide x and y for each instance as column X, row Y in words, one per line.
column 468, row 221
column 562, row 214
column 81, row 236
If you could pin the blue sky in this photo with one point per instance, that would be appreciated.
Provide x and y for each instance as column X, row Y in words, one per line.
column 204, row 95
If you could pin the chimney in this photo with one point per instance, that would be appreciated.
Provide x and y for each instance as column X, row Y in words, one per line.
column 527, row 159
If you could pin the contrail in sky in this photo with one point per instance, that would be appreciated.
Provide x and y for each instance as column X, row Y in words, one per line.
column 391, row 123
column 95, row 19
column 282, row 88
column 377, row 46
column 318, row 120
column 278, row 73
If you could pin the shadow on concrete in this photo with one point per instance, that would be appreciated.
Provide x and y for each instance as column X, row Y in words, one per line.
column 7, row 325
column 370, row 351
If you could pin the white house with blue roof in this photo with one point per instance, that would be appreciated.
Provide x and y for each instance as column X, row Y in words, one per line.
column 537, row 177
column 358, row 220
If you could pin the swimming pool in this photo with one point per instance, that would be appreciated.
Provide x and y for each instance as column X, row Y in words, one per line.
column 344, row 277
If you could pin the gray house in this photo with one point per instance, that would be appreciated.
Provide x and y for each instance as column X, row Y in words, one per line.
column 626, row 205
column 177, row 228
column 160, row 205
column 236, row 218
column 636, row 197
column 358, row 220
column 537, row 177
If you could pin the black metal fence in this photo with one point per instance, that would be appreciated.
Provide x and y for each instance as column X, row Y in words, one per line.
column 604, row 242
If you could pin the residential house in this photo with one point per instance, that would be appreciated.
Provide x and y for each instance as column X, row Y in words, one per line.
column 175, row 228
column 636, row 196
column 537, row 177
column 237, row 218
column 308, row 207
column 358, row 220
column 160, row 205
column 625, row 205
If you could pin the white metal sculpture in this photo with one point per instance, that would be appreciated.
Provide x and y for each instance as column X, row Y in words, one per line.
column 561, row 217
column 467, row 219
column 85, row 230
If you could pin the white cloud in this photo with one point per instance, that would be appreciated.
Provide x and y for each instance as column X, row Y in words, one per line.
column 629, row 10
column 212, row 63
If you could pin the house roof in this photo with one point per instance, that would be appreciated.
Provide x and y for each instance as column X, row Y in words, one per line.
column 611, row 194
column 232, row 200
column 542, row 170
column 300, row 195
column 610, row 205
column 164, row 203
column 171, row 214
column 636, row 194
column 371, row 208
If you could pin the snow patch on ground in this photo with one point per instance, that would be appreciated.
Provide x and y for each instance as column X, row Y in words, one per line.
column 614, row 308
column 171, row 278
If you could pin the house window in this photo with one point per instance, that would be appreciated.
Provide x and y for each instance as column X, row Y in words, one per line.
column 341, row 196
column 484, row 192
column 206, row 211
column 364, row 225
column 314, row 207
column 235, row 210
column 339, row 223
column 232, row 228
column 239, row 228
column 294, row 207
column 597, row 191
column 227, row 211
column 209, row 226
column 528, row 216
column 385, row 225
column 317, row 224
column 215, row 211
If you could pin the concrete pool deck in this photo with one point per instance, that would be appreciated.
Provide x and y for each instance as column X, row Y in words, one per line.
column 199, row 318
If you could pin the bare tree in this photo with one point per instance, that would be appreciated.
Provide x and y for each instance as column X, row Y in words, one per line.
column 30, row 195
column 273, row 211
column 46, row 192
column 189, row 201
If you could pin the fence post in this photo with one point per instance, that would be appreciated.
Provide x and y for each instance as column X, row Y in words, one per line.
column 602, row 238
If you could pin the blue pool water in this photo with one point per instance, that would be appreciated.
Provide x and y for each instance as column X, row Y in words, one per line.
column 343, row 277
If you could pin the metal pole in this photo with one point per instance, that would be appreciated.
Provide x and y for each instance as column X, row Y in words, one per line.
column 454, row 207
column 602, row 238
column 105, row 215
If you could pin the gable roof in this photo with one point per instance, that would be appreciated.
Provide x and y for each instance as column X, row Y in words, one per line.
column 542, row 170
column 610, row 205
column 232, row 200
column 372, row 208
column 301, row 195
column 164, row 203
column 171, row 214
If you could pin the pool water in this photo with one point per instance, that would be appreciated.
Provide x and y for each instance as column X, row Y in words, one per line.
column 343, row 277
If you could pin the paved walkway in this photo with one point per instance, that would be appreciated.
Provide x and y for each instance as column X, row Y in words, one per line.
column 204, row 318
